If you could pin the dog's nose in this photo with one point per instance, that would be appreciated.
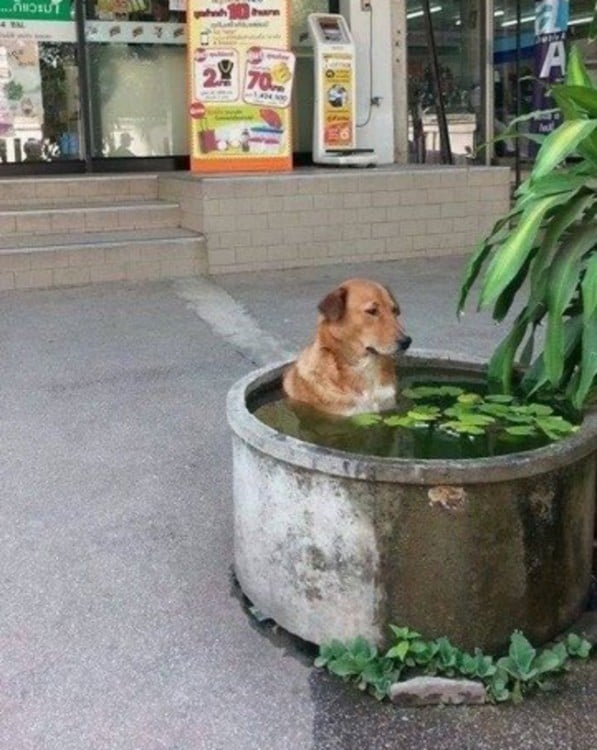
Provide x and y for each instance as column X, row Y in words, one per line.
column 404, row 343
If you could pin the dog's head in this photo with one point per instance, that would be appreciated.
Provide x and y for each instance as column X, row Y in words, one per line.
column 365, row 318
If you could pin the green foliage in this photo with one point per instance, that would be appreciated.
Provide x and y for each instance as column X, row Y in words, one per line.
column 549, row 238
column 359, row 661
column 13, row 90
column 454, row 410
column 522, row 671
column 525, row 669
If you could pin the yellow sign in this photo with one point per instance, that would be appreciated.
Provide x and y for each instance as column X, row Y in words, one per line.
column 240, row 78
column 338, row 108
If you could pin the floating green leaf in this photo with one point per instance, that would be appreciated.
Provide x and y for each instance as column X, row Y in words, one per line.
column 366, row 419
column 431, row 391
column 499, row 398
column 520, row 430
column 462, row 428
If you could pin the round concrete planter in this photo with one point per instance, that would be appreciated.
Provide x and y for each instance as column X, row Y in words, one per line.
column 334, row 545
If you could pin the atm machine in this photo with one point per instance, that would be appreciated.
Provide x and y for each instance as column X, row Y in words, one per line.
column 334, row 125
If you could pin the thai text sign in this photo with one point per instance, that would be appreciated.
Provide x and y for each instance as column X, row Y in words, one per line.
column 240, row 78
column 35, row 10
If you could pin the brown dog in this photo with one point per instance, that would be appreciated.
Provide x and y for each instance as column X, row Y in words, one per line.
column 350, row 366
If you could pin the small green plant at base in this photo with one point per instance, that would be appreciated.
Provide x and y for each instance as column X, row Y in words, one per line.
column 359, row 661
column 523, row 670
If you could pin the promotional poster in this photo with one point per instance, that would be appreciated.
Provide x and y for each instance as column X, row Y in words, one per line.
column 241, row 73
column 338, row 109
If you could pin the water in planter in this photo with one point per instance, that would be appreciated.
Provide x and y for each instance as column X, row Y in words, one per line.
column 439, row 419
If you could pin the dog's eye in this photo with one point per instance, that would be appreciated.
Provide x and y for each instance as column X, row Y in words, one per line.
column 372, row 311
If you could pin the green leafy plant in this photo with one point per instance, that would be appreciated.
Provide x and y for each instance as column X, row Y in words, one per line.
column 359, row 661
column 546, row 248
column 454, row 410
column 523, row 670
column 13, row 90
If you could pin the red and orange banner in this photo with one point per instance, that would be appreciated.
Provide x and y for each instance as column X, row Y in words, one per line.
column 241, row 73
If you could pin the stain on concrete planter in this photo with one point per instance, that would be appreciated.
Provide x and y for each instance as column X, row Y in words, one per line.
column 334, row 545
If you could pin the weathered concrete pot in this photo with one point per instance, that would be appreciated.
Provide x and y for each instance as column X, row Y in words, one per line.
column 334, row 545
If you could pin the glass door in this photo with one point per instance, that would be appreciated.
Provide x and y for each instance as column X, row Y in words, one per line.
column 137, row 78
column 40, row 115
column 458, row 27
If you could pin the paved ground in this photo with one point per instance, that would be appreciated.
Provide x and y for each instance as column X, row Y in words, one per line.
column 120, row 624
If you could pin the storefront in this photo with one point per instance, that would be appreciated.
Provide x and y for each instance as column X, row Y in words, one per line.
column 100, row 85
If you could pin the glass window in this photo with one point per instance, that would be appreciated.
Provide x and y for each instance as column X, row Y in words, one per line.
column 39, row 83
column 137, row 70
column 514, row 58
column 303, row 103
column 458, row 31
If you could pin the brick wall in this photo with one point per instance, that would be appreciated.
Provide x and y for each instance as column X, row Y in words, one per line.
column 321, row 216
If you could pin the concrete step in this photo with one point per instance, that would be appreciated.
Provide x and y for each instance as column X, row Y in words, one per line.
column 22, row 192
column 57, row 260
column 38, row 218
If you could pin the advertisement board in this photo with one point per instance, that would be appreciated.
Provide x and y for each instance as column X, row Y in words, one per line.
column 338, row 106
column 241, row 73
column 551, row 23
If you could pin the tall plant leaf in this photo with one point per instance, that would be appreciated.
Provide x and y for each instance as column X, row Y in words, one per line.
column 576, row 71
column 480, row 254
column 511, row 256
column 501, row 364
column 560, row 144
column 560, row 182
column 568, row 108
column 536, row 377
column 583, row 98
column 507, row 297
column 563, row 281
column 588, row 366
column 563, row 218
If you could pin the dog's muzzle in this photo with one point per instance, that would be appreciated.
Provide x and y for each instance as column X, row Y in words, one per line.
column 404, row 343
column 402, row 346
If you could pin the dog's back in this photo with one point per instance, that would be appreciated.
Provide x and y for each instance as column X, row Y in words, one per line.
column 349, row 367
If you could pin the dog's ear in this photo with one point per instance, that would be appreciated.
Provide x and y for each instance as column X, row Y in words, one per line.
column 332, row 306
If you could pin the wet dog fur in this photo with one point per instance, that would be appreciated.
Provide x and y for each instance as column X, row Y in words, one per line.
column 350, row 367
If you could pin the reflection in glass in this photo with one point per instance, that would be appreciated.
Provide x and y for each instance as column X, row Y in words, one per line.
column 137, row 69
column 39, row 101
column 458, row 29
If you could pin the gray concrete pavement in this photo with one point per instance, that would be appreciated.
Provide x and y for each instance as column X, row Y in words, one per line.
column 120, row 624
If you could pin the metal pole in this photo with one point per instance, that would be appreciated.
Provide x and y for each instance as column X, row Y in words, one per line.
column 83, row 63
column 518, row 95
column 488, row 73
column 444, row 136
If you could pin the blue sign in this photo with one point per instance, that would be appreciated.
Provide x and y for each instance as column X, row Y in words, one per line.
column 551, row 22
